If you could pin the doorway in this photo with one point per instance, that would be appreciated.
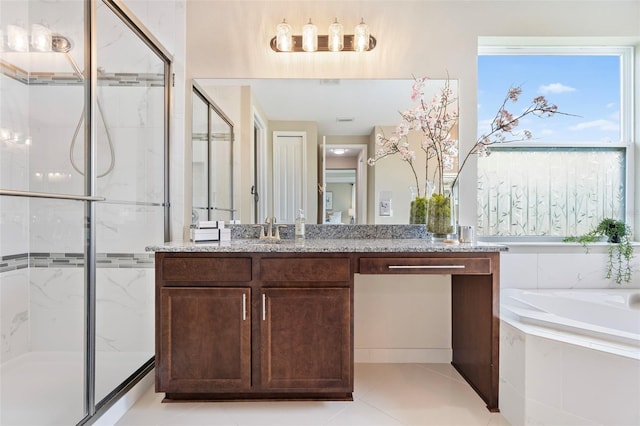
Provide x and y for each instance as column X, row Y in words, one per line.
column 345, row 164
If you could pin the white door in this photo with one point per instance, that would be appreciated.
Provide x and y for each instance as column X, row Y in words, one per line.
column 289, row 175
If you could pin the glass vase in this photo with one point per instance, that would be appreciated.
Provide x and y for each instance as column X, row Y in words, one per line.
column 442, row 214
column 418, row 208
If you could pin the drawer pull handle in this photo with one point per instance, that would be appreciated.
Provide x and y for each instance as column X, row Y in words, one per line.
column 244, row 307
column 426, row 267
column 264, row 307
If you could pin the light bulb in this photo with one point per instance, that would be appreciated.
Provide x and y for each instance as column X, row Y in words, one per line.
column 40, row 38
column 336, row 36
column 284, row 40
column 17, row 38
column 309, row 37
column 361, row 37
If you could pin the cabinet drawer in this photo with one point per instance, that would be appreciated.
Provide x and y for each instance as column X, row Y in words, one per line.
column 305, row 269
column 431, row 265
column 206, row 269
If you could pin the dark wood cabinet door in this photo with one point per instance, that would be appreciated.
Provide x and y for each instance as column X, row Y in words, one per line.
column 306, row 339
column 205, row 339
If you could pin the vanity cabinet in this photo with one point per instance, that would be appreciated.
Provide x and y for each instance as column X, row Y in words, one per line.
column 277, row 323
column 306, row 327
column 205, row 341
column 257, row 326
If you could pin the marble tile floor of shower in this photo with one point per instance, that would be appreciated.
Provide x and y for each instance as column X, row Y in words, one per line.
column 384, row 394
column 46, row 388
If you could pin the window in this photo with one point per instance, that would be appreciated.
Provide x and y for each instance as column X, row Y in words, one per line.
column 574, row 171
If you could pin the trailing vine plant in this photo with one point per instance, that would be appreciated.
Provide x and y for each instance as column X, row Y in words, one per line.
column 620, row 249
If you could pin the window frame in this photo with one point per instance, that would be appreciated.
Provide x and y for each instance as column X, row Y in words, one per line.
column 627, row 130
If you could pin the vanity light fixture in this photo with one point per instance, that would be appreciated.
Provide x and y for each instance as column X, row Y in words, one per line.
column 334, row 41
column 42, row 40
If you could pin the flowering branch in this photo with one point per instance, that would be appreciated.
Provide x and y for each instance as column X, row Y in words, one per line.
column 504, row 124
column 436, row 118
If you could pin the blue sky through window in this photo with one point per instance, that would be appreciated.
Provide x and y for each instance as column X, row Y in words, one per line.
column 584, row 85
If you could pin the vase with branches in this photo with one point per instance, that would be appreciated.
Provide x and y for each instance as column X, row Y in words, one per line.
column 434, row 120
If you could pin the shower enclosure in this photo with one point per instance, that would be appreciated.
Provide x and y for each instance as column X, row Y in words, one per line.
column 84, row 96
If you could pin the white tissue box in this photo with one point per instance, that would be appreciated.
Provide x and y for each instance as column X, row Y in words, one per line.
column 225, row 234
column 212, row 234
column 210, row 224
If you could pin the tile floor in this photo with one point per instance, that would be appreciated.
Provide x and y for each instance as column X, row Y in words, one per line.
column 384, row 394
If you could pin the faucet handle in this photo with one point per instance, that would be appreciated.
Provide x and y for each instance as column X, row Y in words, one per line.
column 262, row 233
column 277, row 235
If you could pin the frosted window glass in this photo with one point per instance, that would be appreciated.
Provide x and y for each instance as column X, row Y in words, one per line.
column 549, row 192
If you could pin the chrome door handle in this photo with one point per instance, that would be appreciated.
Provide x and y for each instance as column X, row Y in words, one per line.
column 244, row 307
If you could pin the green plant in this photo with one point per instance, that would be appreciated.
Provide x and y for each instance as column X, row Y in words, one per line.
column 620, row 249
column 418, row 211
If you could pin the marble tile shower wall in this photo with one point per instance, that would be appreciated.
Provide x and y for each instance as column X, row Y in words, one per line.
column 48, row 115
column 42, row 303
column 136, row 177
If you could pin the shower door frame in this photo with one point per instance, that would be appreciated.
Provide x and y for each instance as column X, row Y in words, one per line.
column 94, row 409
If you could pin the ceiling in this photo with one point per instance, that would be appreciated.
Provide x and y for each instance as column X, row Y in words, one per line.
column 341, row 107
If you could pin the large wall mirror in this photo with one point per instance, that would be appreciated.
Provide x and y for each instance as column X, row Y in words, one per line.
column 308, row 141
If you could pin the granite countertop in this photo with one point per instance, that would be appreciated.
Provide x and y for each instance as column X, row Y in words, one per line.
column 329, row 245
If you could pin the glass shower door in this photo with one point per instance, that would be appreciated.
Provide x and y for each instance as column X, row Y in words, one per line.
column 130, row 168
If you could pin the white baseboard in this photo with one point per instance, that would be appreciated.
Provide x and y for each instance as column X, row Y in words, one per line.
column 400, row 356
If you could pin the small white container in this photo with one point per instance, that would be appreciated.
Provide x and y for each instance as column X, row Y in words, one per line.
column 299, row 227
column 466, row 234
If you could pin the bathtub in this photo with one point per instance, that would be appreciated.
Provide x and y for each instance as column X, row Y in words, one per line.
column 607, row 319
column 570, row 356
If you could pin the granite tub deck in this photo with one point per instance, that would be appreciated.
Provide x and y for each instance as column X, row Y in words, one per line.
column 273, row 281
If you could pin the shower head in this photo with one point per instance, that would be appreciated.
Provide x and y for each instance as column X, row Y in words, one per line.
column 60, row 44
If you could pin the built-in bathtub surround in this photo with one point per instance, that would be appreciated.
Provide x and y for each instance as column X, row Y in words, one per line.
column 560, row 266
column 570, row 357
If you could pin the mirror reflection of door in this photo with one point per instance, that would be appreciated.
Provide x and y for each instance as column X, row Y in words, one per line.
column 289, row 175
column 212, row 161
column 345, row 180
